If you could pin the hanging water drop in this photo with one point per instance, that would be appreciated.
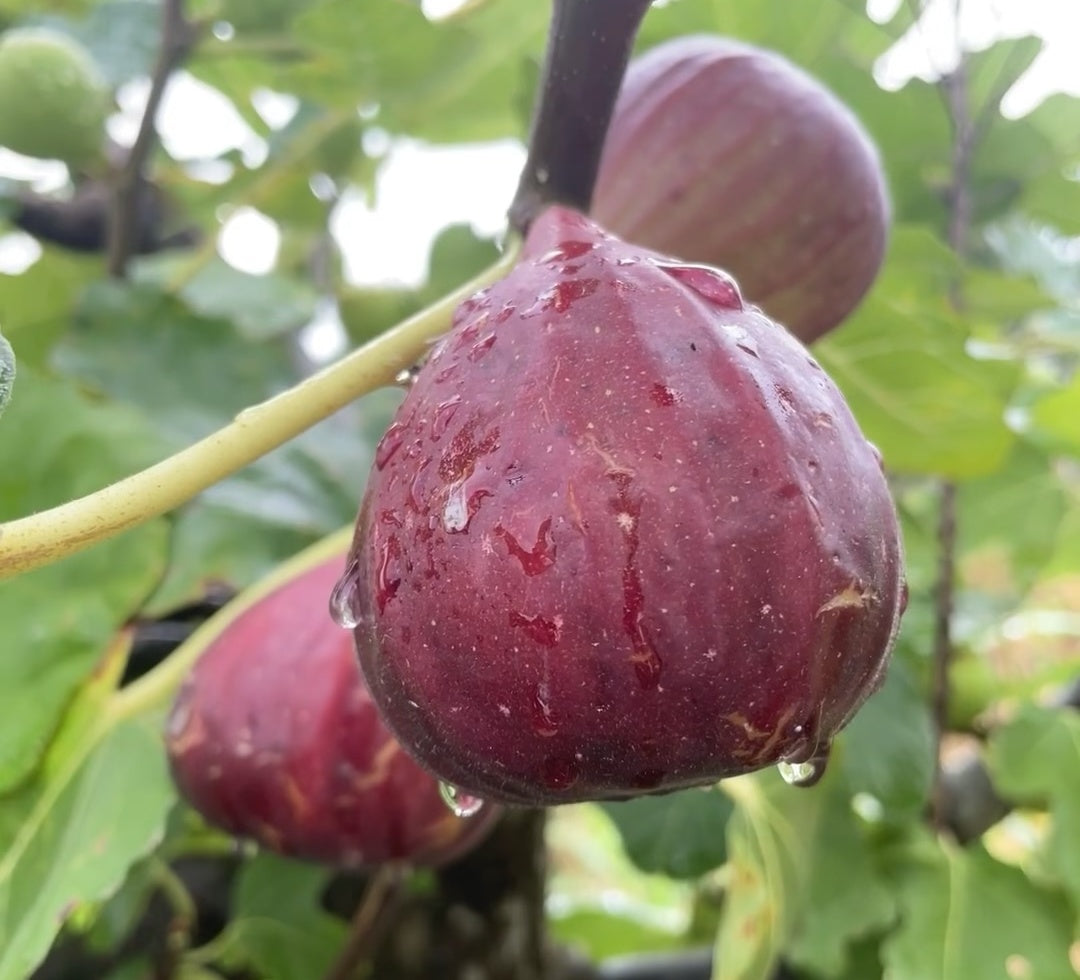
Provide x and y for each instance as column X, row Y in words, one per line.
column 805, row 773
column 460, row 803
column 344, row 599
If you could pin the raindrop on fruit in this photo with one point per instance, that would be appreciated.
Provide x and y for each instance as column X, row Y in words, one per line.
column 460, row 803
column 344, row 599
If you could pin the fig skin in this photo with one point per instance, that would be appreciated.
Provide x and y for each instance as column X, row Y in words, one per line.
column 623, row 536
column 274, row 737
column 728, row 154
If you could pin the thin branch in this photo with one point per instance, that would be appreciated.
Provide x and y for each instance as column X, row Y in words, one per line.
column 954, row 87
column 363, row 934
column 50, row 535
column 177, row 39
column 943, row 644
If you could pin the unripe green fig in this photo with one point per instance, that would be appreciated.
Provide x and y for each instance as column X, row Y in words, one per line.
column 274, row 736
column 728, row 154
column 623, row 536
column 53, row 99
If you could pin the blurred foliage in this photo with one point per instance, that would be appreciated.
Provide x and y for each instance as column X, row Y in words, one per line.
column 959, row 368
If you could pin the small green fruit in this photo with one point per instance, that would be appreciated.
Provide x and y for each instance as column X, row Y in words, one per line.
column 53, row 99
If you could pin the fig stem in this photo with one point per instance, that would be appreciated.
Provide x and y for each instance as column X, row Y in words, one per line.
column 380, row 890
column 588, row 49
column 36, row 540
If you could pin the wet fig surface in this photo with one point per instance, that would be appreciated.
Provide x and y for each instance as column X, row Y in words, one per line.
column 623, row 536
column 274, row 737
column 729, row 154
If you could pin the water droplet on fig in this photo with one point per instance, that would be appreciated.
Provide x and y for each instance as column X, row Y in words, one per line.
column 460, row 803
column 741, row 338
column 572, row 249
column 406, row 378
column 389, row 444
column 461, row 509
column 560, row 297
column 560, row 772
column 345, row 597
column 481, row 347
column 806, row 773
column 444, row 412
column 711, row 284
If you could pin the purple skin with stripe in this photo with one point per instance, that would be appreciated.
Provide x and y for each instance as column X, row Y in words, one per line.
column 275, row 738
column 728, row 154
column 623, row 536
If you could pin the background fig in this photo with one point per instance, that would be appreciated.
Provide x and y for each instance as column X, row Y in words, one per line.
column 623, row 536
column 53, row 99
column 728, row 154
column 275, row 737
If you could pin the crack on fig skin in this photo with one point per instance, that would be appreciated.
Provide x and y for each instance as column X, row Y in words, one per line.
column 645, row 659
column 853, row 597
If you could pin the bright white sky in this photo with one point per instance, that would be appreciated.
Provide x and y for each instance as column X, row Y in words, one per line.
column 391, row 241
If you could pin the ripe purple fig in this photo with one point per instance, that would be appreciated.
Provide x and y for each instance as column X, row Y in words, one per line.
column 728, row 154
column 623, row 536
column 274, row 736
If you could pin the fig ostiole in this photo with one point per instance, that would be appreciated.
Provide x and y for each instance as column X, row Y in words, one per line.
column 729, row 154
column 274, row 737
column 623, row 536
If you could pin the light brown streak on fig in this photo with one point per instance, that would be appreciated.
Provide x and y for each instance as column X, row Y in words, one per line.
column 380, row 768
column 850, row 598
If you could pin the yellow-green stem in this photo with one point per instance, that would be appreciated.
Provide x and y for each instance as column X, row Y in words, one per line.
column 39, row 539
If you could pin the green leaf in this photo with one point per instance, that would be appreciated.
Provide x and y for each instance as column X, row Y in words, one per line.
column 36, row 305
column 801, row 881
column 598, row 898
column 1036, row 759
column 450, row 81
column 7, row 372
column 123, row 36
column 56, row 444
column 261, row 306
column 279, row 928
column 990, row 73
column 888, row 749
column 964, row 915
column 1025, row 484
column 677, row 834
column 902, row 363
column 125, row 335
column 69, row 836
column 845, row 897
column 1058, row 416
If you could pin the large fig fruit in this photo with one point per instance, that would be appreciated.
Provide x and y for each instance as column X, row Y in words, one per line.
column 623, row 536
column 274, row 737
column 728, row 154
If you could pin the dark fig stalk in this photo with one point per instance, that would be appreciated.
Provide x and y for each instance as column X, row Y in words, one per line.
column 589, row 44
